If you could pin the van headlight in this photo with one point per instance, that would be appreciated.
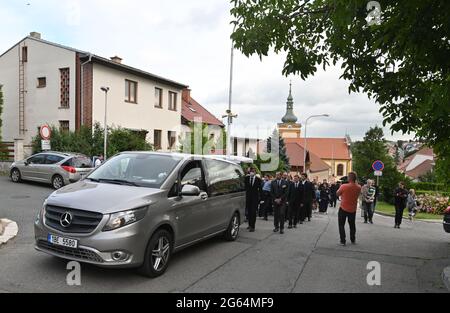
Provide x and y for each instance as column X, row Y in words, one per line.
column 121, row 219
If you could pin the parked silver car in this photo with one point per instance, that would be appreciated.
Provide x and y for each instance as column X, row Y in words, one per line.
column 138, row 208
column 56, row 168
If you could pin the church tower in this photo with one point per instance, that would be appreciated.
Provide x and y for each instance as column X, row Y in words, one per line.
column 289, row 128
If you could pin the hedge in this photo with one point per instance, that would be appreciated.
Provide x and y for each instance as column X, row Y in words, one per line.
column 430, row 187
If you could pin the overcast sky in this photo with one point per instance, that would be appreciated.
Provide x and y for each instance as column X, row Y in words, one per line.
column 188, row 41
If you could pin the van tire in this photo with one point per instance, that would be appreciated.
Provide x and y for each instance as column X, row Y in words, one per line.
column 160, row 243
column 232, row 232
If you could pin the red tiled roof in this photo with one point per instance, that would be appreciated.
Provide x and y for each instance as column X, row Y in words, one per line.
column 192, row 110
column 421, row 170
column 296, row 155
column 423, row 151
column 325, row 148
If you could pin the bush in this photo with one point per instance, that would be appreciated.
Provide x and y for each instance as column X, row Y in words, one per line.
column 430, row 187
column 90, row 142
column 433, row 203
column 428, row 192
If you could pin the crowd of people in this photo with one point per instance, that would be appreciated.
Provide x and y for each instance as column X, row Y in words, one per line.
column 292, row 200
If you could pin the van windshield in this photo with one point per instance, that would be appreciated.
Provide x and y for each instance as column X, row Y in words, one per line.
column 136, row 169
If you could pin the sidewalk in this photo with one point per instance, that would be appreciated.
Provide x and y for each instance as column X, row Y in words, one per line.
column 446, row 277
column 8, row 230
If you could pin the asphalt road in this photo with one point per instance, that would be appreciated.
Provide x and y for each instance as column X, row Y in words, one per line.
column 308, row 259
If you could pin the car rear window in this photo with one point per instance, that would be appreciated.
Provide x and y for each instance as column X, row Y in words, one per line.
column 79, row 162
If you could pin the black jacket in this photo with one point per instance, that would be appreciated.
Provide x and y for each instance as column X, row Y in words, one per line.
column 253, row 192
column 401, row 195
column 280, row 192
column 308, row 192
column 295, row 195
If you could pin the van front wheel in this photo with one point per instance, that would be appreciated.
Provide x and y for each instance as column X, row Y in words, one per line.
column 157, row 254
column 232, row 233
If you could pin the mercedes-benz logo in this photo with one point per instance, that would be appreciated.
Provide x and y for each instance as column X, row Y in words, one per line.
column 66, row 220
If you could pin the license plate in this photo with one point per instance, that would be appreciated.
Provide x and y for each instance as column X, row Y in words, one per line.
column 61, row 241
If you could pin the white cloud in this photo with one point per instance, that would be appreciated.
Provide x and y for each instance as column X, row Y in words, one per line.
column 188, row 41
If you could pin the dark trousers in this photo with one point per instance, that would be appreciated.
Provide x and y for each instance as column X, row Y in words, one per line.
column 323, row 205
column 333, row 202
column 368, row 211
column 308, row 210
column 399, row 209
column 293, row 214
column 343, row 216
column 265, row 208
column 252, row 210
column 279, row 211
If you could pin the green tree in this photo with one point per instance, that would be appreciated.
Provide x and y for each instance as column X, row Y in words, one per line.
column 198, row 140
column 276, row 148
column 373, row 148
column 402, row 62
column 90, row 141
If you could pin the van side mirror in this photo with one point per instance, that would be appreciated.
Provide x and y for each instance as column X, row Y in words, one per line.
column 190, row 191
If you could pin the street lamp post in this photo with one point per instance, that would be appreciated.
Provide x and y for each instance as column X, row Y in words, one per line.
column 105, row 134
column 306, row 142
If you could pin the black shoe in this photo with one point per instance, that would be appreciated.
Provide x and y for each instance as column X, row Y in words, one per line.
column 289, row 227
column 252, row 230
column 343, row 244
column 266, row 219
column 248, row 228
column 365, row 222
column 353, row 242
column 295, row 226
column 309, row 220
column 281, row 232
column 276, row 230
column 371, row 222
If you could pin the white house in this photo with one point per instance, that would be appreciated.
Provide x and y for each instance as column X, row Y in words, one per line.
column 47, row 83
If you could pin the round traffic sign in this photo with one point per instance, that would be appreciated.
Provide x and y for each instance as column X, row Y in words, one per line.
column 378, row 166
column 45, row 132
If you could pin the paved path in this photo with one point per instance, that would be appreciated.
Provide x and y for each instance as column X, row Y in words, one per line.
column 308, row 259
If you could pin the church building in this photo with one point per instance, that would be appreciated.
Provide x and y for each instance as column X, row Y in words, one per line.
column 326, row 158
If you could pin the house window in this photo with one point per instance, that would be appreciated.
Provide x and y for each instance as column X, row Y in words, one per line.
column 42, row 82
column 65, row 87
column 157, row 139
column 24, row 54
column 64, row 126
column 172, row 101
column 131, row 89
column 340, row 170
column 158, row 98
column 171, row 139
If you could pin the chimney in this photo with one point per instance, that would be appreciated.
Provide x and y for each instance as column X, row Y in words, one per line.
column 36, row 35
column 116, row 59
column 186, row 95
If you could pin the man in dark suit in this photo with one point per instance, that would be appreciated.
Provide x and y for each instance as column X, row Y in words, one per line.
column 279, row 195
column 253, row 189
column 295, row 199
column 308, row 197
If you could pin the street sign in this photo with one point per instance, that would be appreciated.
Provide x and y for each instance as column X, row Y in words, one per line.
column 45, row 132
column 378, row 173
column 378, row 166
column 45, row 145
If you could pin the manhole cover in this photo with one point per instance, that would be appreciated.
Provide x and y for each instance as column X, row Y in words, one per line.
column 20, row 197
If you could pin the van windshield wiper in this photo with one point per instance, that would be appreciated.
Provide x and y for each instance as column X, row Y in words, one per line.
column 115, row 181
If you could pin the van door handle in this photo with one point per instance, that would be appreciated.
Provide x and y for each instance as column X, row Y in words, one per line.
column 204, row 196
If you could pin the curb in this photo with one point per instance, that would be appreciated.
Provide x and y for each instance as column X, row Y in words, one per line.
column 416, row 220
column 446, row 277
column 8, row 230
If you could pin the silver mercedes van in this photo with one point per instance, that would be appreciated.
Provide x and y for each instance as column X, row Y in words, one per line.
column 139, row 208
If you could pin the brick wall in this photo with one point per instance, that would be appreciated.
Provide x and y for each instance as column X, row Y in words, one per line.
column 87, row 94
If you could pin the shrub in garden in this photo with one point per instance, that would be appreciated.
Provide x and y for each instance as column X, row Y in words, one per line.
column 433, row 203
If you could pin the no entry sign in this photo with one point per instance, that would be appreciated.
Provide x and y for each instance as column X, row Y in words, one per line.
column 378, row 166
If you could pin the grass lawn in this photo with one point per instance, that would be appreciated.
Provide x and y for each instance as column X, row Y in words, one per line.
column 387, row 208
